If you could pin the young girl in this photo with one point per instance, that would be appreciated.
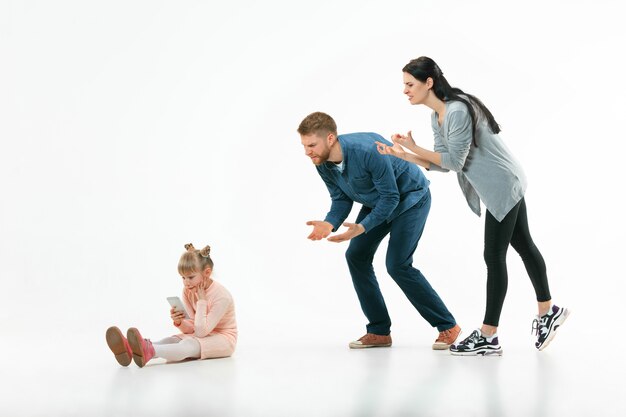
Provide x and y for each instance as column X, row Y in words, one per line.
column 467, row 142
column 210, row 332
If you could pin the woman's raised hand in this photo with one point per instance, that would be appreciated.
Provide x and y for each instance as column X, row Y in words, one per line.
column 404, row 140
column 395, row 150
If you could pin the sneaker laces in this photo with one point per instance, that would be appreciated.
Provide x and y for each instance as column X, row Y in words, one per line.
column 538, row 323
column 443, row 334
column 535, row 327
column 474, row 337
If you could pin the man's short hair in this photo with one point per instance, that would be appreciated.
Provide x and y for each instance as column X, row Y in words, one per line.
column 317, row 123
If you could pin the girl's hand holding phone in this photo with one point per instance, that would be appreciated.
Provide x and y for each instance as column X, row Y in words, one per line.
column 177, row 316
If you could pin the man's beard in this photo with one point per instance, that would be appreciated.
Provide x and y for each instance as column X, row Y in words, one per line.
column 322, row 158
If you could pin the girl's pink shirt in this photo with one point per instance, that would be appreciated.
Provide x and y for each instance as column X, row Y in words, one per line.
column 216, row 315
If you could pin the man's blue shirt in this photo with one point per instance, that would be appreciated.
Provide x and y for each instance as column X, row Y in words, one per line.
column 387, row 185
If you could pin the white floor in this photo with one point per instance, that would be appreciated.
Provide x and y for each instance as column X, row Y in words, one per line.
column 81, row 378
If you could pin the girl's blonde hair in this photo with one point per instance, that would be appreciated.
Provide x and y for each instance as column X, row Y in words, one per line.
column 194, row 260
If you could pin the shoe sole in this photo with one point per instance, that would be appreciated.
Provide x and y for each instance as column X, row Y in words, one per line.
column 443, row 346
column 115, row 340
column 355, row 346
column 134, row 340
column 557, row 323
column 497, row 352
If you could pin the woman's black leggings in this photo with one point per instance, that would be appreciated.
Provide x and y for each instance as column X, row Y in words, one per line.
column 512, row 229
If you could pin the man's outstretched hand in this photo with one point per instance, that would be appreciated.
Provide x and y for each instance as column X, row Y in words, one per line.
column 320, row 229
column 353, row 231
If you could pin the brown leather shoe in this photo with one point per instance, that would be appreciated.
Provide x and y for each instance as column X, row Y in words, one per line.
column 371, row 340
column 447, row 338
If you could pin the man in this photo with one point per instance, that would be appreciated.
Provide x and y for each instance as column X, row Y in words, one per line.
column 395, row 200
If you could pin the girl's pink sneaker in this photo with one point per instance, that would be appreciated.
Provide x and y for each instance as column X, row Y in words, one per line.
column 142, row 348
column 119, row 346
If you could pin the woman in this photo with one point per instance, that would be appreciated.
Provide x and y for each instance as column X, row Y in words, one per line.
column 467, row 142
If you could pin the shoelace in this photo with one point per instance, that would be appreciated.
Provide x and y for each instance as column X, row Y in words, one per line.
column 369, row 337
column 535, row 327
column 474, row 337
column 537, row 324
column 443, row 335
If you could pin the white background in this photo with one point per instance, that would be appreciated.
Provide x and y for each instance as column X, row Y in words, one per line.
column 129, row 128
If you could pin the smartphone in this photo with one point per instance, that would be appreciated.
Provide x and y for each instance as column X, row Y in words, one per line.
column 178, row 305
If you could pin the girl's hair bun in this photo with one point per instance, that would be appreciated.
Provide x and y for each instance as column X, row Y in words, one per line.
column 204, row 252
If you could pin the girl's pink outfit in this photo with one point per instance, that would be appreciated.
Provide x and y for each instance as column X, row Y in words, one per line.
column 212, row 322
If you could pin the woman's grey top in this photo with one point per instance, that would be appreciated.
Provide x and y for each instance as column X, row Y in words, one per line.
column 488, row 172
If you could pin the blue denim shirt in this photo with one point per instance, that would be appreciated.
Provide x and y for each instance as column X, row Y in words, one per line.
column 387, row 185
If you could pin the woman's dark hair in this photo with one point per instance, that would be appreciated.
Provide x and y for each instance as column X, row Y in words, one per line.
column 423, row 67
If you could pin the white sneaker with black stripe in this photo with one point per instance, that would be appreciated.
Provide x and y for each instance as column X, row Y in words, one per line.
column 545, row 326
column 477, row 344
